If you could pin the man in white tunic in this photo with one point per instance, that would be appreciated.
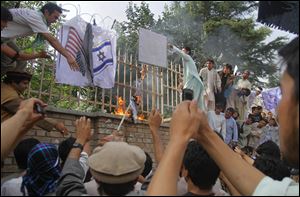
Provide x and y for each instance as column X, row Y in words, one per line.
column 212, row 83
column 242, row 104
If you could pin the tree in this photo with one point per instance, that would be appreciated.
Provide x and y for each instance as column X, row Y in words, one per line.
column 138, row 17
column 224, row 31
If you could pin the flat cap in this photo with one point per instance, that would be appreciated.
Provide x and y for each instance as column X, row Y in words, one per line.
column 117, row 162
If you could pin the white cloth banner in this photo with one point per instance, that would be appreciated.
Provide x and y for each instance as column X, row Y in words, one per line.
column 74, row 37
column 71, row 36
column 104, row 57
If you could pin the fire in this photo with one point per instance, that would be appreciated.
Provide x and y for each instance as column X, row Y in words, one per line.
column 121, row 108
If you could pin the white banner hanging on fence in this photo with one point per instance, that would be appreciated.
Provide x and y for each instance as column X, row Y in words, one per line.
column 152, row 48
column 104, row 57
column 94, row 49
column 72, row 37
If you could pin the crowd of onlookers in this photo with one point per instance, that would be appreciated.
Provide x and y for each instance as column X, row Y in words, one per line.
column 238, row 152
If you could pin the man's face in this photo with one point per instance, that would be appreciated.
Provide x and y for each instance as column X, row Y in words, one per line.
column 228, row 114
column 3, row 24
column 209, row 65
column 185, row 51
column 288, row 112
column 22, row 86
column 53, row 17
column 246, row 75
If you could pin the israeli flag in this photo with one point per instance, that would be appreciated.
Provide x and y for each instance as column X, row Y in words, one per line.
column 104, row 58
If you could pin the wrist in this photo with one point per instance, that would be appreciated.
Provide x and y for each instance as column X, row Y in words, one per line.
column 81, row 141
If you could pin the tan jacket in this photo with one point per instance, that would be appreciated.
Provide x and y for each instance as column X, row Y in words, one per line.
column 10, row 102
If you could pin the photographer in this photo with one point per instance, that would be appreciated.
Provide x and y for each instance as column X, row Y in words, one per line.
column 15, row 83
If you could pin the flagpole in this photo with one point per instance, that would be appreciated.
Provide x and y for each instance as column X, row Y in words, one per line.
column 123, row 118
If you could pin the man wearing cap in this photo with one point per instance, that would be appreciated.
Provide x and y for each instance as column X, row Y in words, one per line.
column 115, row 166
column 255, row 98
column 12, row 88
column 28, row 22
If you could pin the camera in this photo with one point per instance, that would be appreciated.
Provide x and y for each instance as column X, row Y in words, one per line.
column 187, row 94
column 39, row 109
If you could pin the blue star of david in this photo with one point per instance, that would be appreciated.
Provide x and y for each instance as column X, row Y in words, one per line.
column 101, row 56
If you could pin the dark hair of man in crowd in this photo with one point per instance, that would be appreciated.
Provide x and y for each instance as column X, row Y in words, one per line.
column 202, row 170
column 188, row 49
column 5, row 14
column 148, row 165
column 15, row 79
column 51, row 7
column 211, row 61
column 272, row 167
column 64, row 149
column 229, row 66
column 290, row 53
column 269, row 148
column 22, row 150
column 248, row 150
column 230, row 109
column 115, row 189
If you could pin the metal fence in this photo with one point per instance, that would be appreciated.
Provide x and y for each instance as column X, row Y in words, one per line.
column 159, row 88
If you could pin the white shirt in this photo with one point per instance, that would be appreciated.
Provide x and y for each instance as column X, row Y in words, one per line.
column 25, row 22
column 217, row 122
column 12, row 187
column 243, row 84
column 270, row 187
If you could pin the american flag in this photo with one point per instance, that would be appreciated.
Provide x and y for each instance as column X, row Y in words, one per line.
column 74, row 42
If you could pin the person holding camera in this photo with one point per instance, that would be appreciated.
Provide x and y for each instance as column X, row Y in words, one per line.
column 12, row 88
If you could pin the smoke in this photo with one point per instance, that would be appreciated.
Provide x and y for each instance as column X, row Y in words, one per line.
column 224, row 45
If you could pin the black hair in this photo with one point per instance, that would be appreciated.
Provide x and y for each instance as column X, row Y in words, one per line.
column 269, row 148
column 290, row 53
column 248, row 150
column 188, row 49
column 22, row 150
column 202, row 169
column 64, row 148
column 51, row 7
column 229, row 66
column 211, row 61
column 115, row 189
column 5, row 14
column 148, row 165
column 230, row 109
column 272, row 167
column 14, row 77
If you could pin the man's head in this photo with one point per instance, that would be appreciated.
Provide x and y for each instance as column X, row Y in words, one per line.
column 269, row 149
column 218, row 108
column 229, row 112
column 51, row 12
column 22, row 150
column 64, row 148
column 272, row 167
column 288, row 108
column 227, row 69
column 186, row 50
column 262, row 123
column 258, row 91
column 249, row 121
column 19, row 80
column 5, row 17
column 118, row 174
column 199, row 168
column 210, row 64
column 246, row 74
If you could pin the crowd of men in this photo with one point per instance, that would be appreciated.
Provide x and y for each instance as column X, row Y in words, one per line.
column 238, row 152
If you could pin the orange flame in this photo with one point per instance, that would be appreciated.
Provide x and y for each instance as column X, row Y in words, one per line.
column 121, row 108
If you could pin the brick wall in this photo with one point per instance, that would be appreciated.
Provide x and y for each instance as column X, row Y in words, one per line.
column 103, row 124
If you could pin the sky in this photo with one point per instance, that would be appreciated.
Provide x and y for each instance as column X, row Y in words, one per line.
column 111, row 10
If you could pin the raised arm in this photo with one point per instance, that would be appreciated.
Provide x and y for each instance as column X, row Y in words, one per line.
column 55, row 43
column 179, row 52
column 154, row 122
column 233, row 167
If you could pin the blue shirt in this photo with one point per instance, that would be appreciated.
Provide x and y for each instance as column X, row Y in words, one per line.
column 231, row 131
